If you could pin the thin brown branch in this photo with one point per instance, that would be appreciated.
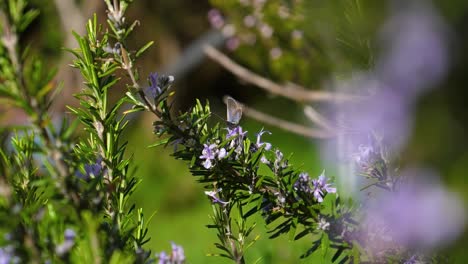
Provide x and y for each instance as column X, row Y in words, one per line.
column 292, row 91
column 317, row 118
column 285, row 125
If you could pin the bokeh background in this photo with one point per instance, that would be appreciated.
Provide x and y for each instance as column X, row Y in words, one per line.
column 438, row 135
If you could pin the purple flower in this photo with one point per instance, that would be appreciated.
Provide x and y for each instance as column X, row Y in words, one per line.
column 321, row 187
column 69, row 234
column 215, row 18
column 275, row 53
column 236, row 131
column 302, row 183
column 414, row 58
column 412, row 260
column 163, row 258
column 154, row 90
column 232, row 43
column 421, row 214
column 249, row 21
column 68, row 244
column 214, row 197
column 259, row 143
column 279, row 162
column 91, row 170
column 177, row 255
column 6, row 255
column 236, row 135
column 210, row 153
column 323, row 224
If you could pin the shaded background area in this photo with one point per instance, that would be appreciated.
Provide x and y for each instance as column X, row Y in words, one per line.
column 180, row 208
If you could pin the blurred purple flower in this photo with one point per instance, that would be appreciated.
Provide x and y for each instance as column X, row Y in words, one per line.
column 68, row 244
column 91, row 170
column 275, row 53
column 232, row 43
column 415, row 49
column 69, row 234
column 415, row 57
column 421, row 214
column 6, row 255
column 163, row 258
column 412, row 260
column 249, row 21
column 177, row 255
column 215, row 18
column 266, row 30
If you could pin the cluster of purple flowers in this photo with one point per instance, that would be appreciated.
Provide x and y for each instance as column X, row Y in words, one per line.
column 177, row 255
column 253, row 27
column 210, row 153
column 236, row 135
column 317, row 187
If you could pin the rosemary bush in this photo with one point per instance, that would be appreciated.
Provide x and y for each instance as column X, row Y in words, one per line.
column 65, row 197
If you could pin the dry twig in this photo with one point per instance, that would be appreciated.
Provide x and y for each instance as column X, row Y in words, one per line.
column 291, row 91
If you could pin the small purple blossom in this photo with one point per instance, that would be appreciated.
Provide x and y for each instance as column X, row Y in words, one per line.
column 69, row 234
column 154, row 90
column 236, row 135
column 6, row 255
column 210, row 153
column 232, row 43
column 68, row 244
column 275, row 53
column 323, row 224
column 236, row 131
column 412, row 260
column 163, row 258
column 91, row 170
column 215, row 18
column 177, row 255
column 249, row 21
column 321, row 187
column 266, row 30
column 264, row 160
column 214, row 197
column 259, row 143
column 302, row 183
column 279, row 162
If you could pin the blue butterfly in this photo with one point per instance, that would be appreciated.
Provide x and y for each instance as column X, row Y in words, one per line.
column 234, row 112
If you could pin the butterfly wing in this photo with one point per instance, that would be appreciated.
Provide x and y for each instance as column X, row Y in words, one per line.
column 234, row 111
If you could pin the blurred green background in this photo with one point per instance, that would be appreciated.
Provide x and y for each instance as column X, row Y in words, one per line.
column 439, row 138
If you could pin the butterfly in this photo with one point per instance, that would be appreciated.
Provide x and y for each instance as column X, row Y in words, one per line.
column 234, row 112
